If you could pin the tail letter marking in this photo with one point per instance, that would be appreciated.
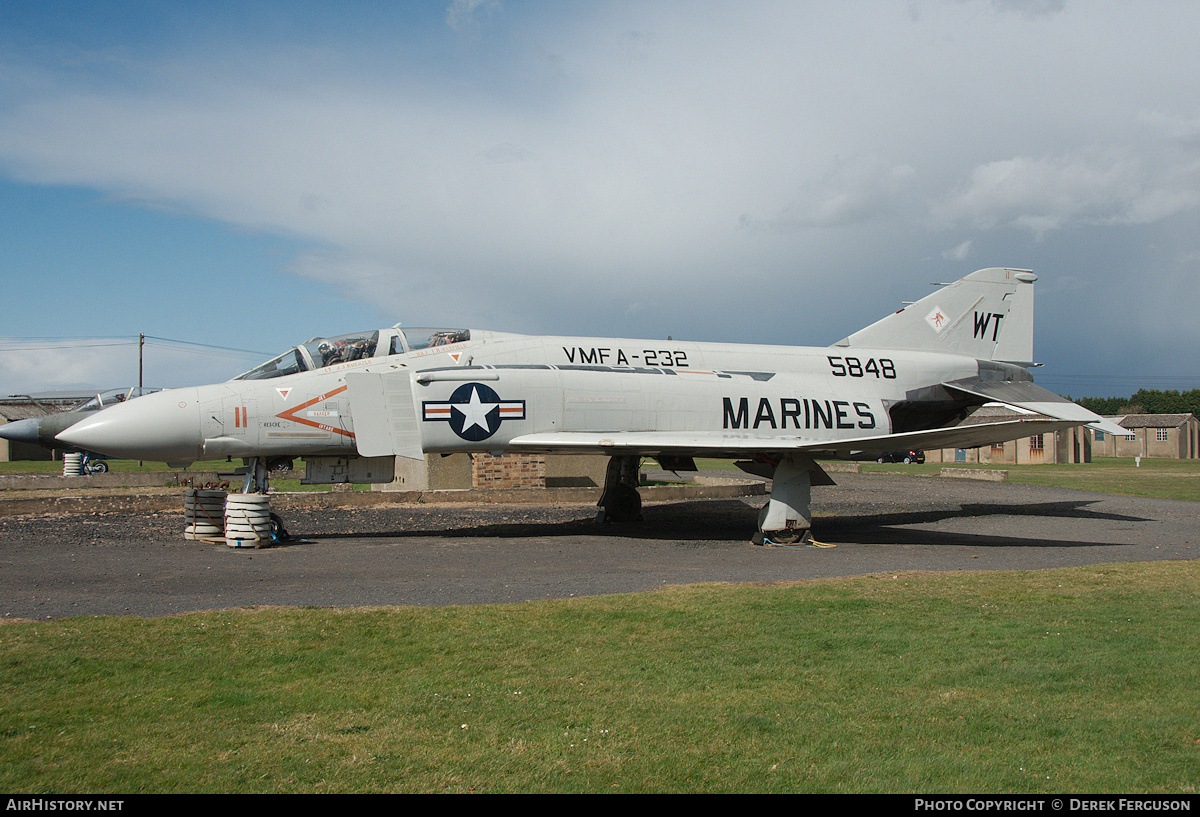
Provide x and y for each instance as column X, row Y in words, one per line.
column 981, row 324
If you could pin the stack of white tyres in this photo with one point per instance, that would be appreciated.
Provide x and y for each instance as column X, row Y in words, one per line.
column 203, row 514
column 72, row 465
column 247, row 520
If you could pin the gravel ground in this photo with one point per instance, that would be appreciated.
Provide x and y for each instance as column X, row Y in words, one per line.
column 123, row 564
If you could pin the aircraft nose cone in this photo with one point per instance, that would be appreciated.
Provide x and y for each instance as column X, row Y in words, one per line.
column 21, row 431
column 161, row 427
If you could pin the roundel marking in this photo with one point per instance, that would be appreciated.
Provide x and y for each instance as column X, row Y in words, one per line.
column 474, row 411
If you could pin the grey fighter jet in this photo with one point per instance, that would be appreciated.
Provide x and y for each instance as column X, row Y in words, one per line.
column 906, row 381
column 44, row 430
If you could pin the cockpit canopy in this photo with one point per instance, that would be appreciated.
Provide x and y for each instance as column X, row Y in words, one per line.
column 342, row 349
column 428, row 338
column 111, row 397
column 320, row 353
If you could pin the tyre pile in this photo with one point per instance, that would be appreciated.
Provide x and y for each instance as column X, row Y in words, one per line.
column 242, row 520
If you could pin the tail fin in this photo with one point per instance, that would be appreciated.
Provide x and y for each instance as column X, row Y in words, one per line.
column 987, row 315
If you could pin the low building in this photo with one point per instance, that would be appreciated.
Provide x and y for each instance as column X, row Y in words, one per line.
column 1170, row 436
column 462, row 471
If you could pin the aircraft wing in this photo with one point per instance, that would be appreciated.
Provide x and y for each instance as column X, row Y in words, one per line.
column 1032, row 397
column 716, row 444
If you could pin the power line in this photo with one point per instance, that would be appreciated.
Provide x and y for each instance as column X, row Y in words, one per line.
column 207, row 345
column 1123, row 377
column 28, row 344
column 1140, row 381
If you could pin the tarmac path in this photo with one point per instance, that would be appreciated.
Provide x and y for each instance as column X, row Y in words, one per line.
column 131, row 564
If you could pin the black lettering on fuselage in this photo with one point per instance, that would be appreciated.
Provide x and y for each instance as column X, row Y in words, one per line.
column 803, row 413
column 866, row 417
column 765, row 415
column 789, row 407
column 739, row 420
column 820, row 416
column 842, row 409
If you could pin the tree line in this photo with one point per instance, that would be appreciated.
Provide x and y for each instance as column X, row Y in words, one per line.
column 1146, row 401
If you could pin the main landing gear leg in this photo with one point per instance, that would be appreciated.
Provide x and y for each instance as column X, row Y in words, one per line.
column 621, row 501
column 787, row 518
column 257, row 481
column 256, row 477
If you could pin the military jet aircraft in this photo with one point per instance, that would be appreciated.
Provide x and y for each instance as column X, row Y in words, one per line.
column 906, row 381
column 44, row 430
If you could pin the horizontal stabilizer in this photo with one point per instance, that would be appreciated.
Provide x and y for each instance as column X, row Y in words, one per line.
column 967, row 436
column 1032, row 397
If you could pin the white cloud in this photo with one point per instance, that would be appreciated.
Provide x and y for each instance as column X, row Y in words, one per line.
column 854, row 192
column 1031, row 8
column 1044, row 194
column 650, row 164
column 959, row 253
column 104, row 363
column 464, row 13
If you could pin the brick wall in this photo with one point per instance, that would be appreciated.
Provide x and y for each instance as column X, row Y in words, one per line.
column 508, row 471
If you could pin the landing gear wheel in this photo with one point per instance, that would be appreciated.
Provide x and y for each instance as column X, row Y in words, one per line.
column 279, row 534
column 783, row 538
column 625, row 506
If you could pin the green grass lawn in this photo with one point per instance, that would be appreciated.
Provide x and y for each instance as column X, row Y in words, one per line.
column 116, row 466
column 1069, row 680
column 1076, row 679
column 1168, row 479
column 129, row 466
column 1163, row 478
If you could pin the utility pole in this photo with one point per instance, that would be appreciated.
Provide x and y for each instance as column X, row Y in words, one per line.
column 141, row 343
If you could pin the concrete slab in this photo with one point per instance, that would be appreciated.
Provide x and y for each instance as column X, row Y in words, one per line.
column 122, row 563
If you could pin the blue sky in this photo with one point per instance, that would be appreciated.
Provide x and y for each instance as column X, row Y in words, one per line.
column 249, row 175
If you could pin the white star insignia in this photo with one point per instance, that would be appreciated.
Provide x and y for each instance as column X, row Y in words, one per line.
column 475, row 412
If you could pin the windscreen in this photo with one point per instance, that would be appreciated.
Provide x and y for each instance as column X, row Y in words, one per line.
column 290, row 362
column 111, row 397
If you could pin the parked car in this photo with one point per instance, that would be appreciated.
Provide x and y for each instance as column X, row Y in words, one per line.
column 906, row 457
